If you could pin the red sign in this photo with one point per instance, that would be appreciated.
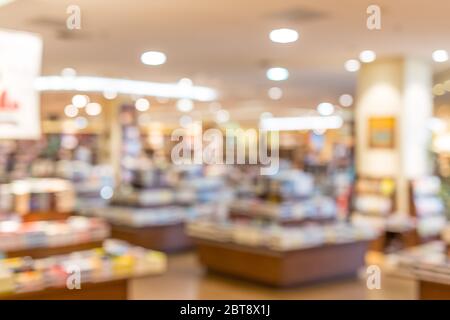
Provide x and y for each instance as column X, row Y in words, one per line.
column 6, row 104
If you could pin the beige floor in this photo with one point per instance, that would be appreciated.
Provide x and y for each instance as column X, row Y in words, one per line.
column 186, row 279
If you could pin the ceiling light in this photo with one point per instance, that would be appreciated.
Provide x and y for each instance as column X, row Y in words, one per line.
column 185, row 82
column 69, row 72
column 301, row 123
column 222, row 116
column 275, row 93
column 367, row 56
column 142, row 104
column 80, row 100
column 110, row 95
column 440, row 56
column 153, row 58
column 277, row 74
column 346, row 100
column 93, row 109
column 438, row 89
column 352, row 65
column 283, row 35
column 122, row 86
column 71, row 111
column 185, row 105
column 325, row 109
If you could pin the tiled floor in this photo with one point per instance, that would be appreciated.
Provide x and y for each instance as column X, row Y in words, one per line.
column 186, row 279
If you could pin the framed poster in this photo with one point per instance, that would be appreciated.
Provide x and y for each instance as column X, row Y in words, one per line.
column 20, row 65
column 382, row 132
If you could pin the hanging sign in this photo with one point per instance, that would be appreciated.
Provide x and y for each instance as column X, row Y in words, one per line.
column 20, row 65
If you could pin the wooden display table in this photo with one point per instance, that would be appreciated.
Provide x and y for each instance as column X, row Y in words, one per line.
column 282, row 269
column 406, row 239
column 166, row 238
column 107, row 290
column 431, row 290
column 37, row 253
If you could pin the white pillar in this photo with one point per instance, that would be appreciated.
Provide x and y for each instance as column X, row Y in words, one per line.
column 398, row 88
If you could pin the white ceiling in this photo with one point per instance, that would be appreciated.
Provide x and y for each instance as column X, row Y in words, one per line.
column 224, row 43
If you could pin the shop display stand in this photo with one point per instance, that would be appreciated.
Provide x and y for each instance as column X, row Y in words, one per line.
column 106, row 290
column 37, row 253
column 283, row 269
column 430, row 290
column 422, row 215
column 289, row 266
column 239, row 215
column 406, row 237
column 167, row 238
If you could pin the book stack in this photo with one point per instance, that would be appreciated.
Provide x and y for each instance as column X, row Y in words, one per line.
column 289, row 196
column 163, row 196
column 428, row 206
column 279, row 238
column 17, row 235
column 115, row 260
column 38, row 195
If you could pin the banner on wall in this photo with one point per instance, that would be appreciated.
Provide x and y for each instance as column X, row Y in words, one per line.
column 20, row 65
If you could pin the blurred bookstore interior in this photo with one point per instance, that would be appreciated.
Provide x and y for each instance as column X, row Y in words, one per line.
column 228, row 150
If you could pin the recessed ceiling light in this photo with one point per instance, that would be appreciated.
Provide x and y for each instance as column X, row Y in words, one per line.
column 110, row 95
column 346, row 100
column 153, row 58
column 301, row 123
column 185, row 82
column 438, row 89
column 352, row 65
column 93, row 109
column 142, row 104
column 275, row 93
column 277, row 74
column 69, row 72
column 80, row 100
column 124, row 86
column 325, row 109
column 283, row 35
column 71, row 111
column 440, row 56
column 185, row 105
column 367, row 56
